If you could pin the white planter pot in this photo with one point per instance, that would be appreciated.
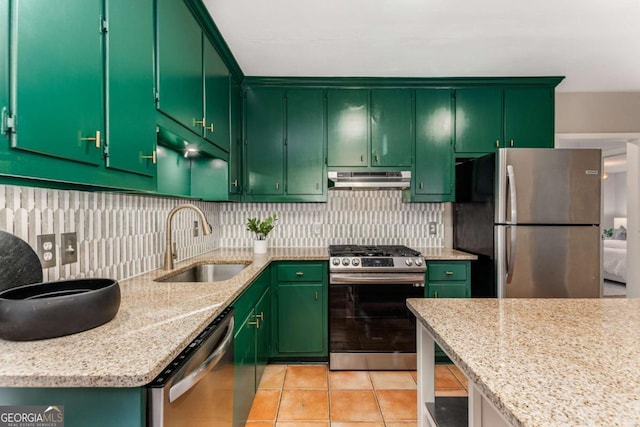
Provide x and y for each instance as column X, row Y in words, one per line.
column 259, row 246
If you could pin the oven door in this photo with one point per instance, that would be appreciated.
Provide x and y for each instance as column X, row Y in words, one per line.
column 370, row 326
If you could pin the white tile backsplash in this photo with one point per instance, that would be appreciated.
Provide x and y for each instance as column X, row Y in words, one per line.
column 121, row 235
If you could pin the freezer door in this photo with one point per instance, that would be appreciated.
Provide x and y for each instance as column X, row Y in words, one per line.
column 550, row 186
column 548, row 261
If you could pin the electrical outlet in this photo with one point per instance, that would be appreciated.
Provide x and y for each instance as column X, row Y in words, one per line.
column 47, row 250
column 433, row 231
column 195, row 229
column 69, row 248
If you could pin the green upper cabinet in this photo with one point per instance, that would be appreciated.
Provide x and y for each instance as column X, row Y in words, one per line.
column 434, row 168
column 4, row 67
column 264, row 140
column 347, row 127
column 306, row 172
column 193, row 84
column 179, row 47
column 492, row 117
column 529, row 117
column 216, row 88
column 479, row 125
column 131, row 132
column 391, row 127
column 58, row 103
column 235, row 151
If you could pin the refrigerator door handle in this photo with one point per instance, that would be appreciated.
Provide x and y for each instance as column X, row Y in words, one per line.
column 511, row 183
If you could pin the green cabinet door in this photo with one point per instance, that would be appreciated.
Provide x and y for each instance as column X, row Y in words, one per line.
column 244, row 376
column 434, row 164
column 235, row 149
column 305, row 141
column 131, row 130
column 529, row 117
column 300, row 318
column 179, row 58
column 263, row 333
column 264, row 141
column 4, row 68
column 208, row 178
column 391, row 127
column 216, row 91
column 174, row 173
column 58, row 101
column 478, row 120
column 347, row 127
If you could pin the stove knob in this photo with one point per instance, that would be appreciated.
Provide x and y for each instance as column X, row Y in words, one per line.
column 335, row 261
column 408, row 261
column 355, row 262
column 345, row 261
column 418, row 262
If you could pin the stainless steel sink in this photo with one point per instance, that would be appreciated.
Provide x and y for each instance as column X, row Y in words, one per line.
column 205, row 273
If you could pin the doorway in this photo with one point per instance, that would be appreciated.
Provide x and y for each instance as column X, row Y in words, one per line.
column 614, row 144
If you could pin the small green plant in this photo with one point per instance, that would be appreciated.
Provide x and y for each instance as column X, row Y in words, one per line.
column 261, row 228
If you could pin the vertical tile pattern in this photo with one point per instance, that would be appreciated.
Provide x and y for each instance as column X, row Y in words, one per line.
column 119, row 235
column 356, row 217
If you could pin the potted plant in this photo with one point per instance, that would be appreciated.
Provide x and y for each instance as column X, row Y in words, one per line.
column 261, row 229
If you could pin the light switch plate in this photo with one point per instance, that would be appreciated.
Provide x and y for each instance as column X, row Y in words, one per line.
column 47, row 250
column 69, row 248
column 195, row 229
column 433, row 231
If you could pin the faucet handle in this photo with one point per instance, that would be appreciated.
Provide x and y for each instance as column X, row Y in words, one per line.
column 174, row 251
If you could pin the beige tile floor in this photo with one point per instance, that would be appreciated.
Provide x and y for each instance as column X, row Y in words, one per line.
column 313, row 396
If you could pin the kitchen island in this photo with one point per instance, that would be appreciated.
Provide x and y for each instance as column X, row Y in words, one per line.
column 536, row 362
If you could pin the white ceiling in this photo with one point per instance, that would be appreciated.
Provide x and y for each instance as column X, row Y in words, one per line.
column 594, row 43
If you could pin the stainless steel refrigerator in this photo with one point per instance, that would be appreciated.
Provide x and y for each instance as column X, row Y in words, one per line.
column 532, row 216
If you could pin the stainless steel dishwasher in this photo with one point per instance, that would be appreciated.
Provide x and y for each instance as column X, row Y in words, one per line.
column 196, row 389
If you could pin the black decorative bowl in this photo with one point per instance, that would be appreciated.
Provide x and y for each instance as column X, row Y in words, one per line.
column 54, row 309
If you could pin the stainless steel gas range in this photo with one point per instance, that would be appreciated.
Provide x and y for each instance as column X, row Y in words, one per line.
column 370, row 327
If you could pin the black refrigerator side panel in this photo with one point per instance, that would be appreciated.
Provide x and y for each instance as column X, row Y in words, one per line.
column 473, row 221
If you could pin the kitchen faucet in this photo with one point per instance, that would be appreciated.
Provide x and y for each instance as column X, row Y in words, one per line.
column 171, row 253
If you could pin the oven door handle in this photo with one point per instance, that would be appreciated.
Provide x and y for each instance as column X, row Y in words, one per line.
column 188, row 382
column 375, row 279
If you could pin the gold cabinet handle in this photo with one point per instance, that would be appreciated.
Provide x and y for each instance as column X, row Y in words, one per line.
column 421, row 186
column 260, row 316
column 316, row 296
column 277, row 185
column 497, row 143
column 257, row 323
column 210, row 127
column 153, row 157
column 377, row 158
column 235, row 183
column 299, row 273
column 197, row 122
column 511, row 142
column 361, row 158
column 435, row 294
column 449, row 273
column 96, row 139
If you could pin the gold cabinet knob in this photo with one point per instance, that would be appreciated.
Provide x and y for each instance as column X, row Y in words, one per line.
column 449, row 273
column 153, row 157
column 96, row 139
column 497, row 143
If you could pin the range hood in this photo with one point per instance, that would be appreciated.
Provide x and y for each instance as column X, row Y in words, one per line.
column 369, row 180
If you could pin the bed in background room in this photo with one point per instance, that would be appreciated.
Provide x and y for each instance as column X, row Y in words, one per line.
column 615, row 252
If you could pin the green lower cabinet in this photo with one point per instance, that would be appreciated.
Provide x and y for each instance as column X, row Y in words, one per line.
column 96, row 407
column 300, row 328
column 252, row 337
column 447, row 279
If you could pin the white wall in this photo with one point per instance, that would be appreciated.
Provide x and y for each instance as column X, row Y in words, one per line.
column 614, row 198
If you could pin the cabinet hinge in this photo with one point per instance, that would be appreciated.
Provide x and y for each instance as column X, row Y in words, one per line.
column 104, row 26
column 8, row 122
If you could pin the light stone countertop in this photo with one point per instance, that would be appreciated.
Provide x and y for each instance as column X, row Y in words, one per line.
column 154, row 323
column 545, row 362
column 445, row 254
